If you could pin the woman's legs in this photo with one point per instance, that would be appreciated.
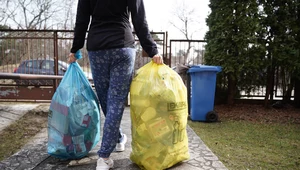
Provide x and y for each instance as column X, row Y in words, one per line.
column 112, row 73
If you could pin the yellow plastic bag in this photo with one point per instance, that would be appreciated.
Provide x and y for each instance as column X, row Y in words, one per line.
column 158, row 108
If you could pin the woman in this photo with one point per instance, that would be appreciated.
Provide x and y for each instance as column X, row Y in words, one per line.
column 111, row 52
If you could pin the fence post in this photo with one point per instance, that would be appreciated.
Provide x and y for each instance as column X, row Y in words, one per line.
column 297, row 93
column 55, row 82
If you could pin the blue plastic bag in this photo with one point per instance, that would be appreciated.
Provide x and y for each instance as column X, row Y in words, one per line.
column 74, row 116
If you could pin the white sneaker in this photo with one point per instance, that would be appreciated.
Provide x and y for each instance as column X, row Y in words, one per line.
column 104, row 164
column 120, row 147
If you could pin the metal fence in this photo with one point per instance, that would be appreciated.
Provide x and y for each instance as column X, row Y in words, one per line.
column 43, row 55
column 191, row 52
column 53, row 46
column 186, row 52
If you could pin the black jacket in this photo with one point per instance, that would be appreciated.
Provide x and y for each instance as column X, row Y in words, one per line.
column 109, row 25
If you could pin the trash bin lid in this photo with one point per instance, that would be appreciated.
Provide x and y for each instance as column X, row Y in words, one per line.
column 201, row 68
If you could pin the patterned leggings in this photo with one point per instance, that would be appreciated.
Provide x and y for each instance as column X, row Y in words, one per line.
column 112, row 74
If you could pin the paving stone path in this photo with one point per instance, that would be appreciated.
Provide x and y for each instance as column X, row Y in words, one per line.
column 34, row 154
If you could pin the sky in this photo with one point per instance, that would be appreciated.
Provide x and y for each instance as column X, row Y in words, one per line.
column 159, row 13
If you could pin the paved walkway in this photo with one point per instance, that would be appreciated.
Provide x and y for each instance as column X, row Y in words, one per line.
column 34, row 154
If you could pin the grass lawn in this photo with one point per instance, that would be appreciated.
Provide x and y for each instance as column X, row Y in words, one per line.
column 253, row 138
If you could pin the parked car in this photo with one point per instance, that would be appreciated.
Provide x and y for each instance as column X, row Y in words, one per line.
column 41, row 66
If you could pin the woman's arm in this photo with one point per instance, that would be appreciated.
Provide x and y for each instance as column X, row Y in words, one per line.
column 138, row 16
column 82, row 22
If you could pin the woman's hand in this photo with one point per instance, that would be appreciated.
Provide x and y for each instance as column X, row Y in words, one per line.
column 158, row 59
column 71, row 58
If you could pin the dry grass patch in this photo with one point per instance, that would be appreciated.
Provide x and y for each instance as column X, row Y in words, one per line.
column 15, row 136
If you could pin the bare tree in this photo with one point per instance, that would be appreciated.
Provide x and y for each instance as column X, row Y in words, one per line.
column 69, row 20
column 2, row 12
column 186, row 21
column 36, row 14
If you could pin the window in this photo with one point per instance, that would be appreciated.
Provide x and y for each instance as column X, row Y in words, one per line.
column 48, row 65
column 33, row 64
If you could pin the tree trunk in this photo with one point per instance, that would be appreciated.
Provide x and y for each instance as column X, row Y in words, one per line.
column 231, row 89
column 288, row 93
column 269, row 86
column 186, row 57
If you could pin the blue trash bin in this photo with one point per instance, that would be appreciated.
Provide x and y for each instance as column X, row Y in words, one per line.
column 202, row 92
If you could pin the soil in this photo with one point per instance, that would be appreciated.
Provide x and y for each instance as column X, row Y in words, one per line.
column 258, row 113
